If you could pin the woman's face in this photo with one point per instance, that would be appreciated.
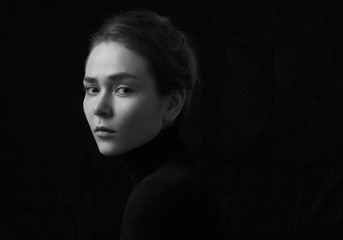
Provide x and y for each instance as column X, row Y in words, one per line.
column 121, row 104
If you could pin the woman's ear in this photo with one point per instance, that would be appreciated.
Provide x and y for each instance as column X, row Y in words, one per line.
column 175, row 102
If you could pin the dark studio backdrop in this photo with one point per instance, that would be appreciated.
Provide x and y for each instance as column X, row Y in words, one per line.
column 266, row 131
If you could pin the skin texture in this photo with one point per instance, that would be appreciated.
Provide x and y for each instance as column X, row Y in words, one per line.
column 121, row 95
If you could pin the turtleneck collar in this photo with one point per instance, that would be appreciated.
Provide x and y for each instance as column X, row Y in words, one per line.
column 146, row 159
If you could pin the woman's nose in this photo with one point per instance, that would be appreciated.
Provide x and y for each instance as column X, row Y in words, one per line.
column 103, row 106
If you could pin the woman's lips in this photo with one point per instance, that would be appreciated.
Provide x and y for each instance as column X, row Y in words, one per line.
column 102, row 131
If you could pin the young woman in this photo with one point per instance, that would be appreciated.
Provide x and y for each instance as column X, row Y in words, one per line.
column 139, row 78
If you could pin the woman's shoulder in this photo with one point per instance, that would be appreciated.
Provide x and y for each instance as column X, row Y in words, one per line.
column 173, row 183
column 175, row 195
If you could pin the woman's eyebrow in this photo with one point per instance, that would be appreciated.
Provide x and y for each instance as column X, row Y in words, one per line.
column 90, row 80
column 113, row 77
column 122, row 76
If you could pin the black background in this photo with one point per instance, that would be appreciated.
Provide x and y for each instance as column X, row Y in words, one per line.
column 266, row 131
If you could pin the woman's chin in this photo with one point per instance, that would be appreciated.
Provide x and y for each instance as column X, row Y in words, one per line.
column 109, row 151
column 111, row 148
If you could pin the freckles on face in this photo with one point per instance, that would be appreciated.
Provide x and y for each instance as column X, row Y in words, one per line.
column 121, row 97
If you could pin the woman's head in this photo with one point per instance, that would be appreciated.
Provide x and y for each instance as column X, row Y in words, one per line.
column 170, row 54
column 139, row 78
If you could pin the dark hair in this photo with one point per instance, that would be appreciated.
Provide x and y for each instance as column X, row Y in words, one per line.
column 169, row 51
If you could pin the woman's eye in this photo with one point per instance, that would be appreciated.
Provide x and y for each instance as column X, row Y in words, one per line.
column 91, row 90
column 123, row 91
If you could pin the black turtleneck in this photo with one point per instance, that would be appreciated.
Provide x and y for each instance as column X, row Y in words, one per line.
column 146, row 159
column 169, row 199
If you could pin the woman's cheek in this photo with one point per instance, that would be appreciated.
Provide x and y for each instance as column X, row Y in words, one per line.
column 86, row 108
column 128, row 110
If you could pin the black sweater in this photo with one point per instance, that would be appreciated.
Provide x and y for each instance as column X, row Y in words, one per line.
column 170, row 200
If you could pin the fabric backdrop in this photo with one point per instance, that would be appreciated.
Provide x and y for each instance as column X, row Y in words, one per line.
column 266, row 131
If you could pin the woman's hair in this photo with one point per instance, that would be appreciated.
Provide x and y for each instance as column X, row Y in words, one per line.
column 169, row 51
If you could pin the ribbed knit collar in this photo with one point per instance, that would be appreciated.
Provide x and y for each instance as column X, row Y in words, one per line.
column 144, row 160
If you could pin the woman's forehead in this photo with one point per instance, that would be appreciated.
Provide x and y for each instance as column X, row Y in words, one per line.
column 113, row 58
